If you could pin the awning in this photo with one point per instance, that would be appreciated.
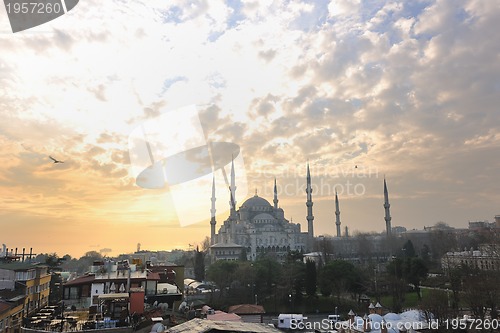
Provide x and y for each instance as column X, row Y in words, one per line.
column 113, row 296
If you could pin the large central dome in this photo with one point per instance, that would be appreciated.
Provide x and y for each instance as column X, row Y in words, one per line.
column 256, row 202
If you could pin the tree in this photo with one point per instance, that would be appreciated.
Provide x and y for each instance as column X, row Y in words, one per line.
column 425, row 253
column 340, row 276
column 408, row 249
column 199, row 265
column 310, row 278
column 222, row 273
column 436, row 303
column 205, row 245
column 455, row 275
column 93, row 255
column 294, row 256
column 365, row 247
column 268, row 273
column 482, row 291
column 325, row 247
column 416, row 270
column 395, row 269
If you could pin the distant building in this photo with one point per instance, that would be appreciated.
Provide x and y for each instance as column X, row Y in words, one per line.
column 249, row 313
column 32, row 279
column 479, row 225
column 398, row 230
column 11, row 313
column 162, row 284
column 486, row 258
column 226, row 251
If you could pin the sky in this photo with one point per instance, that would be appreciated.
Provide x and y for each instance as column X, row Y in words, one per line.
column 409, row 90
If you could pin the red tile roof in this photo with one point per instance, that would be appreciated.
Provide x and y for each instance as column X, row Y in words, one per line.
column 4, row 306
column 86, row 279
column 246, row 309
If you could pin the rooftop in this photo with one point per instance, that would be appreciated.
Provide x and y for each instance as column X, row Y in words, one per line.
column 20, row 266
column 246, row 309
column 225, row 245
column 204, row 325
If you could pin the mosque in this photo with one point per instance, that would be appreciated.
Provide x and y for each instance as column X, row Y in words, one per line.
column 259, row 227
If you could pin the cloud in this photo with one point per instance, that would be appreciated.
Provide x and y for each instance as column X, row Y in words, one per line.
column 410, row 88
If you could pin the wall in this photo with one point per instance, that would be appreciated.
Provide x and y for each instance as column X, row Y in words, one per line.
column 106, row 330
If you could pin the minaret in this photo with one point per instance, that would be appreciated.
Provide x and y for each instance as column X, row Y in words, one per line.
column 310, row 217
column 212, row 213
column 387, row 211
column 275, row 195
column 337, row 213
column 232, row 189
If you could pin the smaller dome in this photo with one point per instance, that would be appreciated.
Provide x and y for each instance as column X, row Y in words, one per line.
column 392, row 316
column 375, row 317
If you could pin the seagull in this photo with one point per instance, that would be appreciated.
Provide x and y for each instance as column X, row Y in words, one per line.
column 55, row 161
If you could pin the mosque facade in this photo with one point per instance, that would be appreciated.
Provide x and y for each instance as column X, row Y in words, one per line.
column 259, row 227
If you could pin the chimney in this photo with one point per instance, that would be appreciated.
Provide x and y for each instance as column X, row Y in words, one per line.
column 351, row 315
column 383, row 326
column 371, row 308
column 378, row 308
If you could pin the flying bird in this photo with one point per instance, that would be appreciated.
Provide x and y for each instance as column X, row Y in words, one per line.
column 55, row 161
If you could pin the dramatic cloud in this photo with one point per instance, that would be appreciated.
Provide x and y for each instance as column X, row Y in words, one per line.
column 409, row 89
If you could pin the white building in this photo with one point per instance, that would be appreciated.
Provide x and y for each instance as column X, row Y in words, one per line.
column 486, row 258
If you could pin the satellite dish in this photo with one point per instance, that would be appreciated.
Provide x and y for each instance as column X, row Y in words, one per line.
column 157, row 328
column 182, row 306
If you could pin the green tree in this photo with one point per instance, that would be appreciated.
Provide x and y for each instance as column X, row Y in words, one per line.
column 395, row 269
column 294, row 256
column 340, row 276
column 268, row 272
column 199, row 265
column 222, row 273
column 425, row 253
column 310, row 278
column 408, row 249
column 416, row 270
